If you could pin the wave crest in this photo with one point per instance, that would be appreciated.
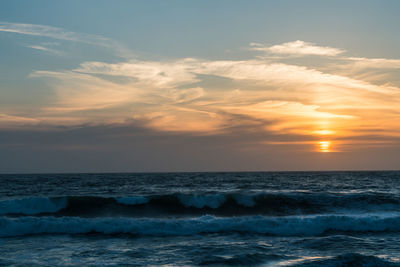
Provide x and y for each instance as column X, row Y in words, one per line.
column 33, row 205
column 279, row 226
column 220, row 204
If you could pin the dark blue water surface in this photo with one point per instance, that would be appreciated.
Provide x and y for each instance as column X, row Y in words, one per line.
column 192, row 219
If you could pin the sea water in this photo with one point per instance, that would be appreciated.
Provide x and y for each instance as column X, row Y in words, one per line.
column 192, row 219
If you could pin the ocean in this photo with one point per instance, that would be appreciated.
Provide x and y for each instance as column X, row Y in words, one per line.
column 196, row 219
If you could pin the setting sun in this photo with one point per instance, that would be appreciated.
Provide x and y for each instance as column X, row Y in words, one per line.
column 324, row 146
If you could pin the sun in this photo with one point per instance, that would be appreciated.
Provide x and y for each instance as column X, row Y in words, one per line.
column 324, row 146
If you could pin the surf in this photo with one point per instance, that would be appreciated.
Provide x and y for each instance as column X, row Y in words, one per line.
column 279, row 226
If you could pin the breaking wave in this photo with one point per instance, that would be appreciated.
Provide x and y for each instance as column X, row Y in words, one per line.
column 32, row 205
column 279, row 226
column 232, row 204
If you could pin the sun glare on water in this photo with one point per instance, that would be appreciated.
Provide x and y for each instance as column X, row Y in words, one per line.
column 324, row 146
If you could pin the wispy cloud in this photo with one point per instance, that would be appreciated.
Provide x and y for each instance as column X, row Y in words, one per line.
column 12, row 120
column 53, row 32
column 45, row 49
column 374, row 63
column 62, row 34
column 160, row 74
column 297, row 48
column 76, row 91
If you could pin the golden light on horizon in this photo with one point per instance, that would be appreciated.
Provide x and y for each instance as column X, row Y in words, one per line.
column 324, row 132
column 324, row 146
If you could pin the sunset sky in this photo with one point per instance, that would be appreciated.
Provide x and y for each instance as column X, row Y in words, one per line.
column 93, row 86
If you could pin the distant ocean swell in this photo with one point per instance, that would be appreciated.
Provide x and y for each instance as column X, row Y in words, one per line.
column 311, row 225
column 256, row 259
column 232, row 204
column 349, row 259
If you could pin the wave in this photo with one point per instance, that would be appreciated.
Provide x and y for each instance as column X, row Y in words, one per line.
column 279, row 226
column 32, row 205
column 220, row 204
column 132, row 200
column 242, row 259
column 349, row 259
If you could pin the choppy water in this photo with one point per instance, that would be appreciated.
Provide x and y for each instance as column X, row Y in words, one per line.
column 191, row 219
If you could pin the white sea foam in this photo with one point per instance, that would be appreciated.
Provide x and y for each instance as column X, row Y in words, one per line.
column 280, row 226
column 32, row 205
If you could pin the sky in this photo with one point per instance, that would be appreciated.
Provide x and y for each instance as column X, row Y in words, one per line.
column 154, row 86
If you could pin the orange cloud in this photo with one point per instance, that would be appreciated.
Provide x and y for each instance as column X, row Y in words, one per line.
column 179, row 95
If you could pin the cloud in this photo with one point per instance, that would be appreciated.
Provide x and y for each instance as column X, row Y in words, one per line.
column 375, row 63
column 45, row 49
column 75, row 91
column 186, row 71
column 62, row 34
column 52, row 32
column 160, row 74
column 279, row 74
column 166, row 96
column 222, row 97
column 298, row 48
column 133, row 147
column 7, row 120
